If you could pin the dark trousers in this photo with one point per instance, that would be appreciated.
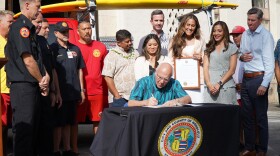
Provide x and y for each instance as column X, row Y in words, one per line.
column 252, row 102
column 45, row 138
column 5, row 139
column 25, row 101
column 118, row 102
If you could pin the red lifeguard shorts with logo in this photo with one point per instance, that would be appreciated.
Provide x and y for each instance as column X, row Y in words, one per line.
column 92, row 107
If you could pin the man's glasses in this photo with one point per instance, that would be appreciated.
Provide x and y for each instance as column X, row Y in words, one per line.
column 164, row 79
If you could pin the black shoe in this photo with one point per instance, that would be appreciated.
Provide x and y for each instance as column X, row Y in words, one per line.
column 57, row 153
column 69, row 153
column 248, row 153
column 241, row 147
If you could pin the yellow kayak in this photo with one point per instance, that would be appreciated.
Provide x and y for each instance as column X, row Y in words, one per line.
column 134, row 4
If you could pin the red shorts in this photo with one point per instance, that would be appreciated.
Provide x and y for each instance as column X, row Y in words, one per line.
column 93, row 107
column 6, row 109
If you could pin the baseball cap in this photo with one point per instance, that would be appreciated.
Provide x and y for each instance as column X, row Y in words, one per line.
column 237, row 30
column 61, row 27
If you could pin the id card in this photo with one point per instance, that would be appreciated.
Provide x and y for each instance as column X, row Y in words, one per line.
column 69, row 54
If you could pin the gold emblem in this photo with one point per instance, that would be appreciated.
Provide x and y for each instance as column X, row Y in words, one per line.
column 96, row 53
column 64, row 24
column 185, row 83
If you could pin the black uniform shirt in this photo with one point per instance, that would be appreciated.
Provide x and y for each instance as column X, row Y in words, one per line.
column 68, row 63
column 47, row 54
column 22, row 39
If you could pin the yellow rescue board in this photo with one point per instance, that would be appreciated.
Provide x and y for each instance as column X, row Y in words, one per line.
column 133, row 4
column 160, row 4
column 63, row 7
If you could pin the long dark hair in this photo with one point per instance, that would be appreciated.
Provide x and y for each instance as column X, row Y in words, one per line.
column 144, row 47
column 179, row 42
column 211, row 45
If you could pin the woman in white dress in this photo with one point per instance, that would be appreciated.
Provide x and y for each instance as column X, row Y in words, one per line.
column 188, row 43
column 151, row 57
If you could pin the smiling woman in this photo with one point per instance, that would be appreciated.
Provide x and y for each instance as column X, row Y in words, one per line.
column 189, row 43
column 146, row 64
column 219, row 64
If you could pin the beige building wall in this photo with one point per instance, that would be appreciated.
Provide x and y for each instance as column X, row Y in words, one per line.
column 136, row 21
column 107, row 21
column 2, row 4
column 274, row 19
column 275, row 30
column 237, row 16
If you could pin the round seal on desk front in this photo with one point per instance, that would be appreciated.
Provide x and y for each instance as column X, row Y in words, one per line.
column 181, row 136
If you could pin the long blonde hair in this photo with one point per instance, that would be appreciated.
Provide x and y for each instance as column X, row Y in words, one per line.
column 179, row 39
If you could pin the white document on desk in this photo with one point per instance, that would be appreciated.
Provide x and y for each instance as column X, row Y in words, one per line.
column 180, row 105
column 194, row 105
column 162, row 106
column 156, row 106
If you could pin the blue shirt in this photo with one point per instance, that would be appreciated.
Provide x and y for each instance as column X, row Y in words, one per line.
column 146, row 88
column 261, row 44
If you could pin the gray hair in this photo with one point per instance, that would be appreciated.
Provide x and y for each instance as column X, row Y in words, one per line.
column 3, row 13
column 257, row 11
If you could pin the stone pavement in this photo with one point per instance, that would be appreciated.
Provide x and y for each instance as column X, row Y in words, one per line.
column 274, row 130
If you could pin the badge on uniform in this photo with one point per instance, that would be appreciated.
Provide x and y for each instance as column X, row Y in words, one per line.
column 24, row 32
column 96, row 53
column 69, row 54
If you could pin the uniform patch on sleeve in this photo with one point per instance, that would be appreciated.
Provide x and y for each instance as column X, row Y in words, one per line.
column 24, row 32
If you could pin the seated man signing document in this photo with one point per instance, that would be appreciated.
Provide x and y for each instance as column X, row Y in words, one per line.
column 159, row 89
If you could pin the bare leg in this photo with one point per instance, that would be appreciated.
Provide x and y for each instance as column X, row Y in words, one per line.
column 56, row 138
column 95, row 126
column 66, row 137
column 74, row 138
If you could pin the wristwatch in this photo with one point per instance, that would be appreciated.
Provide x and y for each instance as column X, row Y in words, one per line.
column 83, row 90
column 220, row 83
